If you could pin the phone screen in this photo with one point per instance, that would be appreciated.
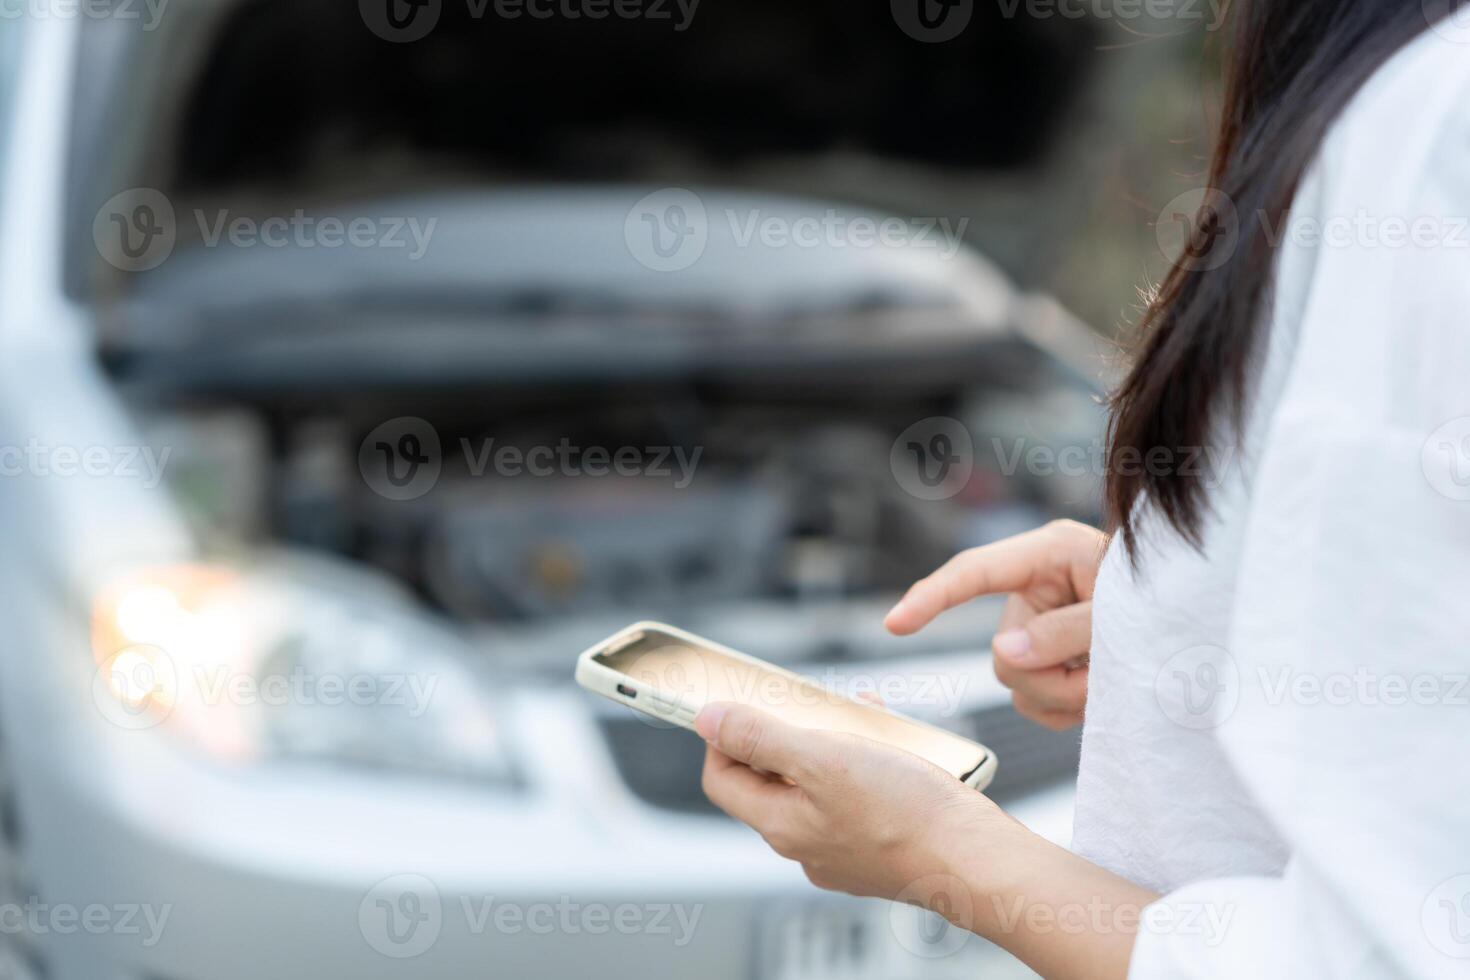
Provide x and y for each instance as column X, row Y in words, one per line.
column 695, row 675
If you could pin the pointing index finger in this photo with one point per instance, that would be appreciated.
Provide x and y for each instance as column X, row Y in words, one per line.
column 1005, row 566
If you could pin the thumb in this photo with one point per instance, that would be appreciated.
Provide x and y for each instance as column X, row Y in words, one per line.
column 755, row 738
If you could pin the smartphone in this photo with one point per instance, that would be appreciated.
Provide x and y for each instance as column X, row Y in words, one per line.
column 670, row 675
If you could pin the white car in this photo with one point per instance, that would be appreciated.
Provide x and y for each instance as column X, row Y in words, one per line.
column 271, row 708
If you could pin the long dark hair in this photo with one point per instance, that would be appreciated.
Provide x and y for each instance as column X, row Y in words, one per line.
column 1291, row 67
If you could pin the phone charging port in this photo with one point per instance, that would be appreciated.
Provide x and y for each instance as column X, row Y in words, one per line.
column 627, row 691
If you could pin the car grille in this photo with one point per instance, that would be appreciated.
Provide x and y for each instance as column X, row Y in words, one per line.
column 838, row 938
column 806, row 940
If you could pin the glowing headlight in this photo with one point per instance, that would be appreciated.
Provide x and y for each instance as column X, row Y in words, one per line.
column 292, row 661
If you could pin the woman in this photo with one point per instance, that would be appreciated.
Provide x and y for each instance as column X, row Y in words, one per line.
column 1277, row 741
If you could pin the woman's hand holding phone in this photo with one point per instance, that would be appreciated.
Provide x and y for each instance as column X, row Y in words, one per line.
column 864, row 817
column 859, row 816
column 869, row 819
column 1046, row 628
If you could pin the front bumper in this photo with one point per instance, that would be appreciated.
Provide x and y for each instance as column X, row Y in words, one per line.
column 311, row 873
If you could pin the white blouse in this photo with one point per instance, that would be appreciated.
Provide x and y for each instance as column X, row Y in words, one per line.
column 1278, row 729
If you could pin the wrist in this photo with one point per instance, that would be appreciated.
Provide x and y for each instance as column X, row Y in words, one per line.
column 967, row 858
column 1055, row 911
column 998, row 861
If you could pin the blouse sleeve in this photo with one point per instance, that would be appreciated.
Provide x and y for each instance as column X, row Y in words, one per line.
column 1350, row 632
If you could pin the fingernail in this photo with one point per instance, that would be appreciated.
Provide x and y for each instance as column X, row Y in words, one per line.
column 1012, row 644
column 707, row 723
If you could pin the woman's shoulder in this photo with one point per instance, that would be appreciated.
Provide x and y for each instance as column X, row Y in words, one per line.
column 1374, row 281
column 1411, row 118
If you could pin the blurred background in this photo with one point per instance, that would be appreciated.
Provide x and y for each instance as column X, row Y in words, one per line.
column 364, row 363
